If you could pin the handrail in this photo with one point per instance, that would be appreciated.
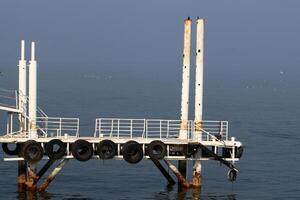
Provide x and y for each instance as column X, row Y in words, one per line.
column 156, row 128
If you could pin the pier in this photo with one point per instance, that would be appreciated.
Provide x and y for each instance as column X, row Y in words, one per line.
column 31, row 135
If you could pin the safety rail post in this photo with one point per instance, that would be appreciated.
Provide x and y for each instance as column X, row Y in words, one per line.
column 60, row 121
column 16, row 99
column 131, row 124
column 227, row 129
column 46, row 125
column 11, row 123
column 146, row 128
column 118, row 128
column 77, row 131
column 99, row 124
column 168, row 128
column 159, row 129
column 96, row 125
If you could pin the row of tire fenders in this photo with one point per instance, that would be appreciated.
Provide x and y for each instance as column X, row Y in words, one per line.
column 83, row 150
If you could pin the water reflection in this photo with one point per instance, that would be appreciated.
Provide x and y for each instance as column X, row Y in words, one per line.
column 189, row 194
column 49, row 196
column 170, row 193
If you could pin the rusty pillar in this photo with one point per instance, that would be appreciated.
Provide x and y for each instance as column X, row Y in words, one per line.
column 197, row 174
column 31, row 177
column 181, row 179
column 22, row 176
column 182, row 169
column 52, row 175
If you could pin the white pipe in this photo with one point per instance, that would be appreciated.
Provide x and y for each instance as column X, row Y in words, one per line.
column 197, row 168
column 22, row 87
column 32, row 93
column 199, row 79
column 185, row 79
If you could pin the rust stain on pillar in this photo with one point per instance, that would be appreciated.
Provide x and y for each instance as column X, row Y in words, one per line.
column 21, row 176
column 184, row 183
column 31, row 178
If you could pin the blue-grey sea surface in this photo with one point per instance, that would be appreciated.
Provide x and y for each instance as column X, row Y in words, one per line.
column 124, row 59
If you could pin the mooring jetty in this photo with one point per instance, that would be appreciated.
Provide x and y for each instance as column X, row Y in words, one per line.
column 31, row 135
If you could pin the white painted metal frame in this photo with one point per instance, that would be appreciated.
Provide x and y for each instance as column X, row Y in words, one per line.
column 156, row 128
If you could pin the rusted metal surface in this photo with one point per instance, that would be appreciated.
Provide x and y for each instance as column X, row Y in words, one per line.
column 21, row 176
column 52, row 175
column 31, row 177
column 184, row 183
column 197, row 175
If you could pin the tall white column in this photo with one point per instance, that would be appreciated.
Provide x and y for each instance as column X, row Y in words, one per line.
column 32, row 93
column 22, row 88
column 197, row 168
column 185, row 79
column 199, row 79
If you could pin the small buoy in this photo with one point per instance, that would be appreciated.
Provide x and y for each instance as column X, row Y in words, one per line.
column 82, row 150
column 55, row 153
column 106, row 149
column 132, row 152
column 157, row 150
column 9, row 151
column 232, row 174
column 32, row 151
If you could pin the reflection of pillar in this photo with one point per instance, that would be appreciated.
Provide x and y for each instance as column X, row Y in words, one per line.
column 197, row 169
column 22, row 88
column 185, row 79
column 32, row 93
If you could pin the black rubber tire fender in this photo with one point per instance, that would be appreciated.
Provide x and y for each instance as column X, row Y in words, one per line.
column 51, row 152
column 106, row 149
column 32, row 151
column 132, row 152
column 11, row 152
column 82, row 150
column 157, row 150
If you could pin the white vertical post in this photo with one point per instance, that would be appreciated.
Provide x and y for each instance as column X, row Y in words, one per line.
column 185, row 79
column 199, row 79
column 32, row 93
column 197, row 134
column 22, row 88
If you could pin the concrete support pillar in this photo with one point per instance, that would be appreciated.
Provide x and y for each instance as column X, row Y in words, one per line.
column 22, row 88
column 22, row 175
column 182, row 165
column 32, row 93
column 185, row 79
column 197, row 169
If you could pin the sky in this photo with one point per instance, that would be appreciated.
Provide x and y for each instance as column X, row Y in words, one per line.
column 246, row 42
column 240, row 35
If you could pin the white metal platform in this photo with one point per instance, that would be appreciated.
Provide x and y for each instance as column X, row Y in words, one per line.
column 120, row 131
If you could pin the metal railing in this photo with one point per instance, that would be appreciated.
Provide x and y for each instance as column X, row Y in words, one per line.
column 56, row 126
column 156, row 128
column 9, row 98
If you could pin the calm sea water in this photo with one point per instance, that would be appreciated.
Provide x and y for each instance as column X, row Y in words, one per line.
column 263, row 114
